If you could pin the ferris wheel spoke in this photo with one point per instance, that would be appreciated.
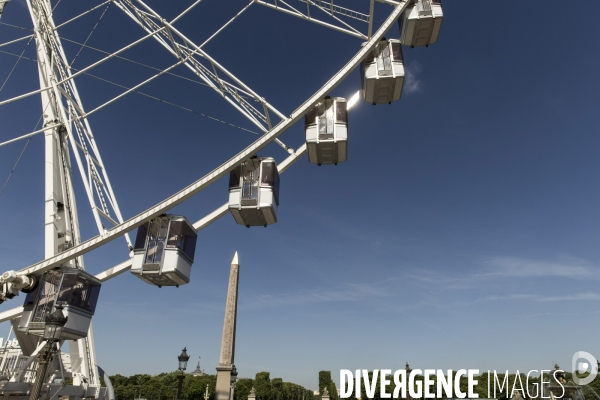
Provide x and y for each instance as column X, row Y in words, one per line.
column 83, row 70
column 213, row 74
column 73, row 126
column 30, row 134
column 16, row 40
column 308, row 17
column 130, row 61
column 335, row 9
column 225, row 25
column 371, row 15
column 186, row 11
column 83, row 14
column 330, row 9
column 130, row 90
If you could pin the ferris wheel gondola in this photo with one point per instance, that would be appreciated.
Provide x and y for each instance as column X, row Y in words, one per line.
column 382, row 73
column 164, row 251
column 74, row 289
column 326, row 126
column 421, row 22
column 254, row 192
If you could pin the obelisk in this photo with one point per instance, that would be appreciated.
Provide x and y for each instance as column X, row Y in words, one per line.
column 226, row 366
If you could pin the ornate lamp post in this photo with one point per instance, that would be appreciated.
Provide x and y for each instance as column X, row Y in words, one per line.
column 54, row 324
column 183, row 360
column 234, row 375
column 206, row 396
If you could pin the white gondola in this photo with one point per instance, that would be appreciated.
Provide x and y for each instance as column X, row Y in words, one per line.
column 382, row 73
column 74, row 289
column 254, row 192
column 326, row 128
column 421, row 22
column 164, row 251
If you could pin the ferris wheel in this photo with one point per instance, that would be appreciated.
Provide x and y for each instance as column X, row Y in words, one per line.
column 163, row 251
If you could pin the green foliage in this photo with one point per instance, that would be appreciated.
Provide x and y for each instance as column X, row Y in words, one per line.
column 163, row 387
column 243, row 388
column 277, row 388
column 262, row 385
column 325, row 381
column 287, row 390
column 595, row 385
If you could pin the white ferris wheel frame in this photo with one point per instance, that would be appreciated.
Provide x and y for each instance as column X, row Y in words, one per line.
column 71, row 116
column 217, row 173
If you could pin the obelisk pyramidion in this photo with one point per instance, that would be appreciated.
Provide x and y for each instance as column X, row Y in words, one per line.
column 226, row 361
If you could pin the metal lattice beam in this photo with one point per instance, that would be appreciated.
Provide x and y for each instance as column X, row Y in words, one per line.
column 326, row 7
column 254, row 107
column 223, row 169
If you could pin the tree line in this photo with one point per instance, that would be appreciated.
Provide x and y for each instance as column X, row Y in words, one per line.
column 164, row 387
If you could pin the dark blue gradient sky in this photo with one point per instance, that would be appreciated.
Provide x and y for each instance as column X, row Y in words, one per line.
column 462, row 232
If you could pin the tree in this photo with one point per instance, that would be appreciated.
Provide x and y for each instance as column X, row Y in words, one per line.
column 277, row 388
column 194, row 387
column 287, row 390
column 243, row 388
column 325, row 381
column 262, row 385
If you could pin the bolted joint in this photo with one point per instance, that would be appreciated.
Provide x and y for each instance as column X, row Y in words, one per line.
column 8, row 276
column 13, row 283
column 62, row 130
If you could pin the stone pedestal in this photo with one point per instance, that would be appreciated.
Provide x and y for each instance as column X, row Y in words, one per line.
column 223, row 382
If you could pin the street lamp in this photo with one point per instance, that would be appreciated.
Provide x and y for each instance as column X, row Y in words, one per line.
column 206, row 393
column 232, row 381
column 183, row 360
column 54, row 324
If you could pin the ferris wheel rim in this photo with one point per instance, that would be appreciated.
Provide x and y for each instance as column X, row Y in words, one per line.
column 229, row 164
column 89, row 366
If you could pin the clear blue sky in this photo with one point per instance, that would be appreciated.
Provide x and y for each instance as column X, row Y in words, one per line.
column 462, row 232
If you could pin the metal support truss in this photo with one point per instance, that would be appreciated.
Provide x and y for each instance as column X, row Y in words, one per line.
column 335, row 9
column 65, row 125
column 327, row 8
column 232, row 89
column 224, row 168
column 198, row 226
column 69, row 115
